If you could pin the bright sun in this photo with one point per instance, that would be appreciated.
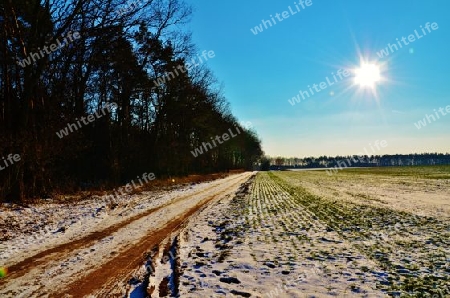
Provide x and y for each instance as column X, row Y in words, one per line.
column 367, row 75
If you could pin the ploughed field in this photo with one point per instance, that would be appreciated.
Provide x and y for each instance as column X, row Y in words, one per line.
column 375, row 232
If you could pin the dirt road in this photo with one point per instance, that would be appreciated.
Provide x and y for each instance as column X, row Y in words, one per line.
column 102, row 258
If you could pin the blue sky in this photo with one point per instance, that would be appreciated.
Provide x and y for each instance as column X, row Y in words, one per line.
column 260, row 73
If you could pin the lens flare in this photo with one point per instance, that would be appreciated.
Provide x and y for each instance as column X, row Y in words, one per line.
column 3, row 272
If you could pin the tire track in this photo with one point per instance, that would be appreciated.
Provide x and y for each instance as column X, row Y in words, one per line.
column 103, row 279
column 39, row 261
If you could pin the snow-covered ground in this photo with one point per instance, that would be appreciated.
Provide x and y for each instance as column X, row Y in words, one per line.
column 50, row 245
column 404, row 193
column 264, row 244
column 282, row 234
column 296, row 235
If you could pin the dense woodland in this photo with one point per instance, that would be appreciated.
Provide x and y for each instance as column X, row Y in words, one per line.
column 114, row 52
column 423, row 159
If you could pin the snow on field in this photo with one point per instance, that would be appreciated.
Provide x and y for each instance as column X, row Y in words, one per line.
column 406, row 231
column 408, row 193
column 294, row 235
column 264, row 244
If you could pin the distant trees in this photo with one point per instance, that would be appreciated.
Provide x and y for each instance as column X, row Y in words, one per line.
column 364, row 161
column 123, row 49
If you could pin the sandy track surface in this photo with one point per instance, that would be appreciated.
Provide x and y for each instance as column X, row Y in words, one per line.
column 102, row 256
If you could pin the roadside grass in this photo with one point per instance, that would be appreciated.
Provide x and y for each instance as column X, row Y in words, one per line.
column 93, row 192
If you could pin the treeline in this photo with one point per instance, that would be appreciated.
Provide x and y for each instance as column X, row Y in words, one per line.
column 422, row 159
column 79, row 104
